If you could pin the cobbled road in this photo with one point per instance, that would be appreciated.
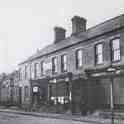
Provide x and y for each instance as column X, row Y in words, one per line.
column 10, row 118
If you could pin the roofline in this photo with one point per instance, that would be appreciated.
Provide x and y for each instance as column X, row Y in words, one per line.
column 68, row 46
column 81, row 40
column 107, row 20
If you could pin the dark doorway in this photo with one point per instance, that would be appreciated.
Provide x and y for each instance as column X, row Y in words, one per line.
column 20, row 96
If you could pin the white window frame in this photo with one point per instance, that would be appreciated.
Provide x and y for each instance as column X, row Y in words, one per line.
column 55, row 64
column 99, row 53
column 36, row 69
column 115, row 51
column 64, row 63
column 79, row 58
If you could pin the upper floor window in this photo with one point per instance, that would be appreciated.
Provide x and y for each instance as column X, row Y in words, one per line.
column 26, row 71
column 20, row 74
column 115, row 49
column 99, row 53
column 54, row 65
column 64, row 63
column 79, row 58
column 36, row 69
column 30, row 71
column 42, row 68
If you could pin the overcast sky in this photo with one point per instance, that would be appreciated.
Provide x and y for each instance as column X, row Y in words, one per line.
column 26, row 25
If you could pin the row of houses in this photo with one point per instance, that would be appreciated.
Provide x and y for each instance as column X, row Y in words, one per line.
column 9, row 89
column 78, row 70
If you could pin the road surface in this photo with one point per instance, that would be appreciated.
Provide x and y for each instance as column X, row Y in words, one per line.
column 10, row 118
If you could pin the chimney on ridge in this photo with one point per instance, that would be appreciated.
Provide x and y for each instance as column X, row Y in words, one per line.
column 78, row 24
column 59, row 33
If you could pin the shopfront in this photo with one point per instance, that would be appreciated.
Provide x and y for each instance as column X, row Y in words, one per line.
column 39, row 92
column 60, row 90
column 106, row 87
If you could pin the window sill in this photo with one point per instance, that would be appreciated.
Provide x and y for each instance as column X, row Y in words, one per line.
column 64, row 71
column 79, row 68
column 115, row 61
column 99, row 64
column 54, row 73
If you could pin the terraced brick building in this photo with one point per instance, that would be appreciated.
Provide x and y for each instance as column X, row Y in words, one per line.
column 78, row 70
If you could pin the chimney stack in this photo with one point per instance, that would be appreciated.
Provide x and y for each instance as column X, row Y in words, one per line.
column 78, row 24
column 59, row 34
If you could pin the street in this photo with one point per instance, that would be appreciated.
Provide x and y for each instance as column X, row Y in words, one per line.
column 10, row 118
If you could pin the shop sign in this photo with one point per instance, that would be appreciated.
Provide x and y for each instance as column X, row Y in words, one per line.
column 111, row 69
column 35, row 89
column 53, row 81
column 99, row 74
column 59, row 80
column 67, row 79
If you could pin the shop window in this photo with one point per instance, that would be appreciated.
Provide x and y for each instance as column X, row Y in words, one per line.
column 61, row 100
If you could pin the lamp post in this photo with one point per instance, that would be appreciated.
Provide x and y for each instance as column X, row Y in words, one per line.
column 112, row 70
column 35, row 92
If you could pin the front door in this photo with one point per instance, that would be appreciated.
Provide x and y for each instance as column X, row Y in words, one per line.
column 20, row 95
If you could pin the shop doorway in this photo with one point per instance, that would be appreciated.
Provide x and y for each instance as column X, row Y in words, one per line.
column 20, row 96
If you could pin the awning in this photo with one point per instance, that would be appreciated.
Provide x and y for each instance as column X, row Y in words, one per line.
column 103, row 72
column 63, row 75
column 39, row 82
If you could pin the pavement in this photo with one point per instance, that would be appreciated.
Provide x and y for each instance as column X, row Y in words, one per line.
column 104, row 118
column 87, row 119
column 10, row 118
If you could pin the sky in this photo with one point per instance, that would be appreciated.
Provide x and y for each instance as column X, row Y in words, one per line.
column 26, row 25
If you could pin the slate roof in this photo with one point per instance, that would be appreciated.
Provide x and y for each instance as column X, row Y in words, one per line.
column 107, row 26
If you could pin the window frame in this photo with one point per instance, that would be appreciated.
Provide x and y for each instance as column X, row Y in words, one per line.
column 54, row 66
column 112, row 50
column 64, row 64
column 36, row 69
column 25, row 76
column 30, row 71
column 76, row 58
column 97, row 54
column 42, row 68
column 20, row 74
